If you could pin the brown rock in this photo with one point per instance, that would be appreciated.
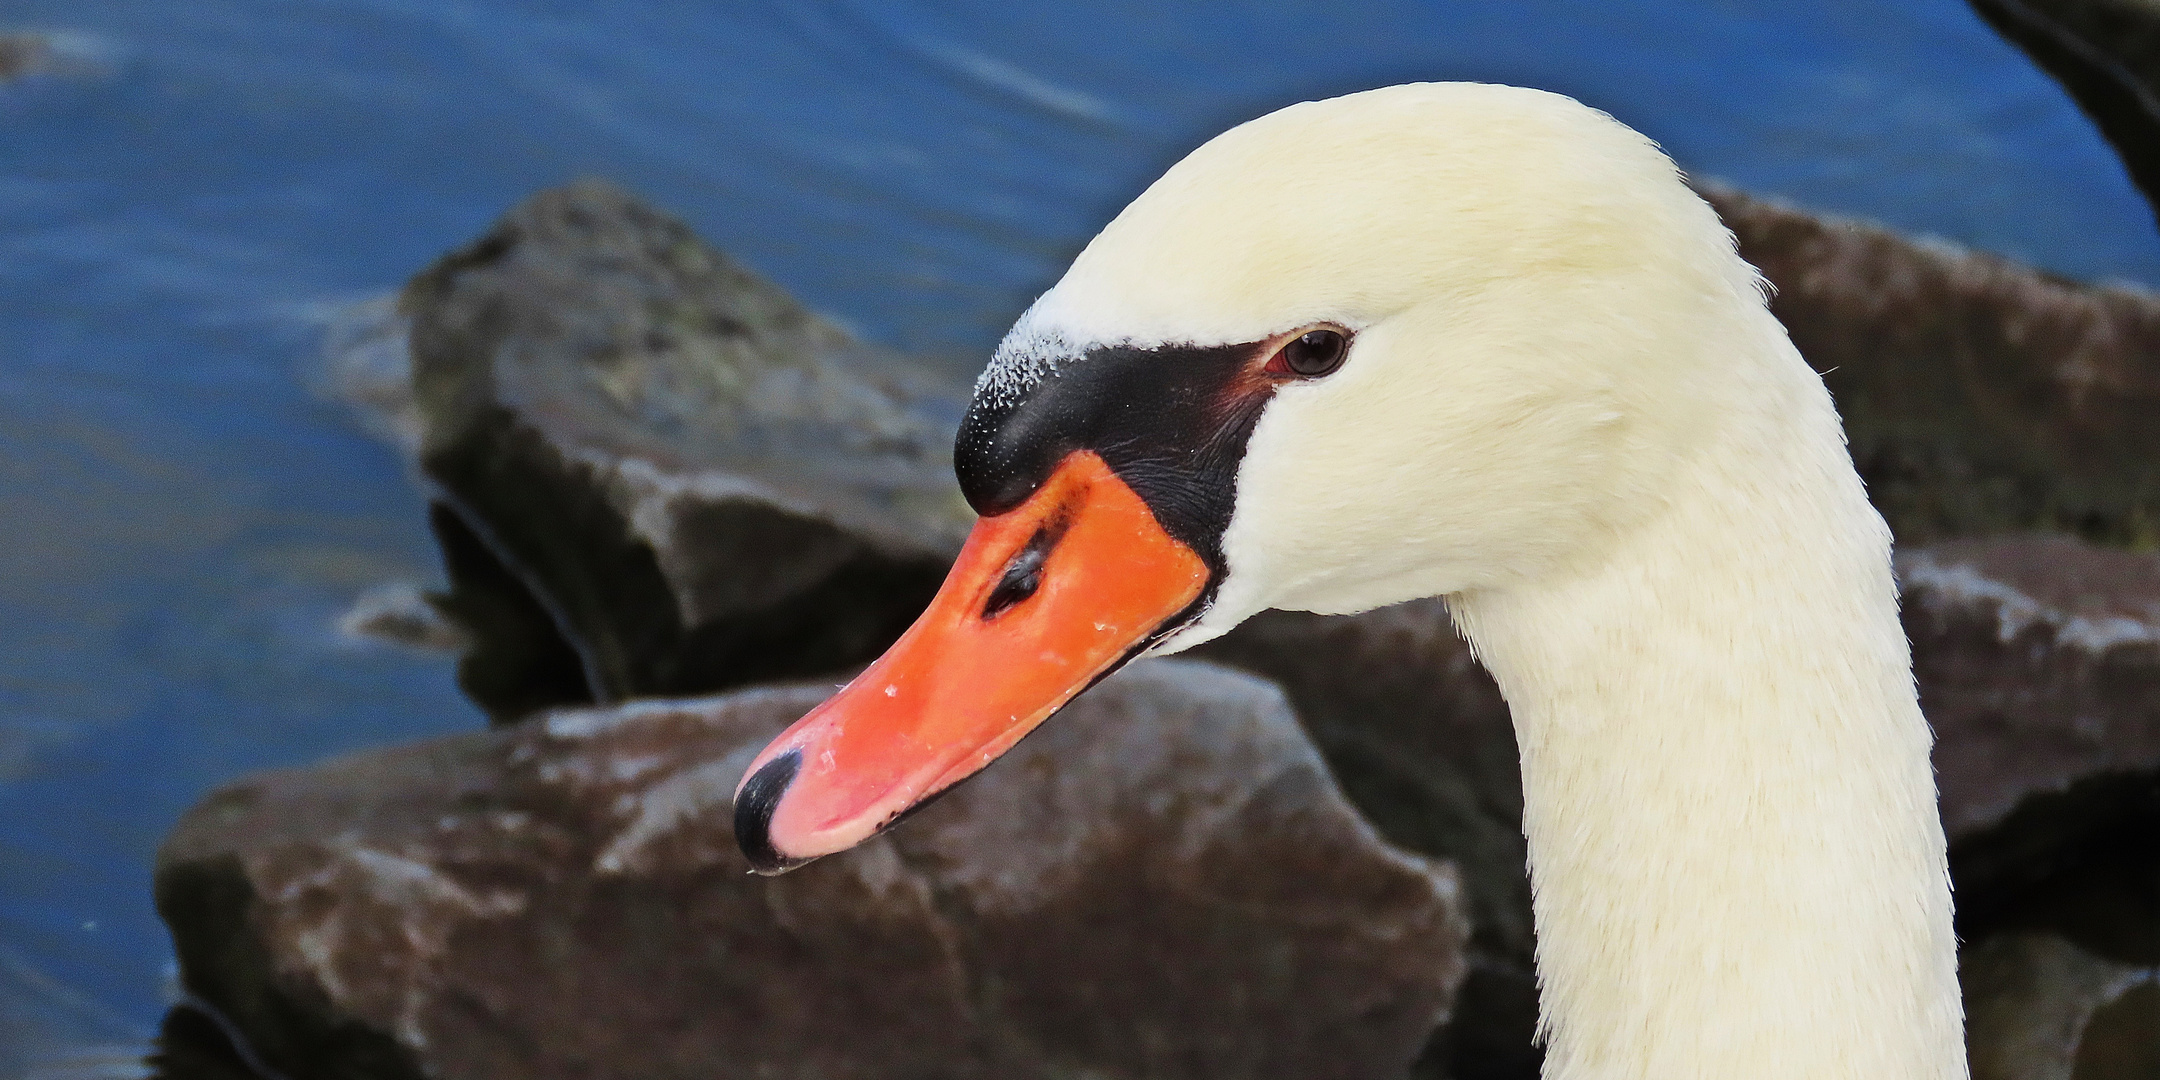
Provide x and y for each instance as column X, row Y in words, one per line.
column 2122, row 1040
column 700, row 482
column 2039, row 665
column 1422, row 743
column 2031, row 1001
column 1979, row 396
column 1162, row 883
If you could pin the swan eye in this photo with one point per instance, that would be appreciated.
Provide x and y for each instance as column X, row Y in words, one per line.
column 1312, row 354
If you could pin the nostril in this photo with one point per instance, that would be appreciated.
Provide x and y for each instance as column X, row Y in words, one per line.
column 1022, row 577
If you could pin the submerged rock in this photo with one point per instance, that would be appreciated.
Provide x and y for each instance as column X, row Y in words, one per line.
column 700, row 482
column 1164, row 883
column 59, row 53
column 401, row 613
column 23, row 54
column 2106, row 53
column 1979, row 396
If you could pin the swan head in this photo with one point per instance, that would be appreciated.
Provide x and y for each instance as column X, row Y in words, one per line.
column 1410, row 342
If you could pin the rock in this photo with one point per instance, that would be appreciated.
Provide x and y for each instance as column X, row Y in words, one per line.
column 2038, row 659
column 702, row 483
column 2106, row 53
column 2039, row 666
column 2062, row 933
column 2030, row 1001
column 1162, row 883
column 1422, row 743
column 399, row 612
column 366, row 363
column 1979, row 396
column 2122, row 1040
column 23, row 55
column 59, row 53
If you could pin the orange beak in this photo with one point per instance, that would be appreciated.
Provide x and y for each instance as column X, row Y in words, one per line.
column 1045, row 599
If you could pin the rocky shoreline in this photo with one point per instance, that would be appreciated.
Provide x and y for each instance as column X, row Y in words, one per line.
column 667, row 495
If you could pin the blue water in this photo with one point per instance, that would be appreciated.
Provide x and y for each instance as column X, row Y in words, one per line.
column 182, row 518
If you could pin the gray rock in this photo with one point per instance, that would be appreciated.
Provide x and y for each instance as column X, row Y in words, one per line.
column 1163, row 883
column 1979, row 396
column 699, row 482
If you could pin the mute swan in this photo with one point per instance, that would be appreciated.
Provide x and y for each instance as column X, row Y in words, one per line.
column 1476, row 342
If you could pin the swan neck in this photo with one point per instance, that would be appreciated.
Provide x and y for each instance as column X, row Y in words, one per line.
column 1737, row 861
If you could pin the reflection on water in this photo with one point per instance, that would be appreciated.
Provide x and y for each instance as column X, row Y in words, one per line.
column 52, row 1032
column 184, row 211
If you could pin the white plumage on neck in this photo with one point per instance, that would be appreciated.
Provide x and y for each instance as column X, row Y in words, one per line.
column 1736, row 856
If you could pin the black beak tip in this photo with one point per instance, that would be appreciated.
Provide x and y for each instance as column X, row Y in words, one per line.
column 753, row 814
